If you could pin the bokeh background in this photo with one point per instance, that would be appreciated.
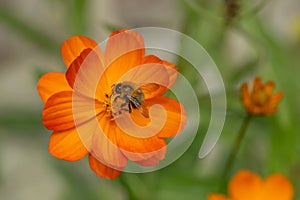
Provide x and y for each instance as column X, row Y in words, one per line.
column 249, row 38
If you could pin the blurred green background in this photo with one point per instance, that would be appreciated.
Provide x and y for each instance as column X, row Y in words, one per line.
column 260, row 37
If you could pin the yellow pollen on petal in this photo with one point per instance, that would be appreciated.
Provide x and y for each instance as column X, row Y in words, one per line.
column 107, row 104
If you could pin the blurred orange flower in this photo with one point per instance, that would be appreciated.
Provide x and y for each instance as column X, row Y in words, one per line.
column 246, row 185
column 90, row 107
column 261, row 100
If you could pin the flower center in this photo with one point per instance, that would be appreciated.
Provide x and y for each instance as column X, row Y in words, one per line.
column 260, row 98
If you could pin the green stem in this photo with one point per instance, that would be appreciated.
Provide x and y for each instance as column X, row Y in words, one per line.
column 130, row 192
column 235, row 148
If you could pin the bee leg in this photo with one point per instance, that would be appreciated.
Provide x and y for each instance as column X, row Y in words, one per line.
column 129, row 107
column 126, row 109
column 123, row 105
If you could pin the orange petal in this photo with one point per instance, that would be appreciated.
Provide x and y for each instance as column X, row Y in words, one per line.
column 121, row 42
column 102, row 170
column 152, row 90
column 103, row 145
column 67, row 145
column 154, row 160
column 124, row 50
column 278, row 187
column 268, row 88
column 176, row 117
column 145, row 148
column 84, row 74
column 245, row 185
column 72, row 71
column 60, row 109
column 148, row 73
column 72, row 48
column 57, row 114
column 173, row 69
column 245, row 94
column 217, row 197
column 275, row 98
column 170, row 69
column 257, row 84
column 137, row 149
column 151, row 78
column 52, row 83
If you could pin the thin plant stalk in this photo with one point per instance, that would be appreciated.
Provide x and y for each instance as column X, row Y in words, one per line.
column 235, row 148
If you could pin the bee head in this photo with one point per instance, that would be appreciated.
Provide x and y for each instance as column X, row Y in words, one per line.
column 118, row 88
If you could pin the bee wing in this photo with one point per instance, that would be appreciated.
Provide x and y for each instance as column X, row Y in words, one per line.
column 144, row 110
column 149, row 89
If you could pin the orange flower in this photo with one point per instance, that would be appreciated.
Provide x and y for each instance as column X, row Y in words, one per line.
column 246, row 185
column 101, row 106
column 261, row 100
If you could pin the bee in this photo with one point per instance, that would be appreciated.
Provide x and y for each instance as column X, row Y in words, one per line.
column 127, row 96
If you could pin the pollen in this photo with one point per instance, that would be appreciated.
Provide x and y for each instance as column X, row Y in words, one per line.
column 107, row 103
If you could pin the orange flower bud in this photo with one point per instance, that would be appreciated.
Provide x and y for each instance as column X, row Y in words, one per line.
column 260, row 100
